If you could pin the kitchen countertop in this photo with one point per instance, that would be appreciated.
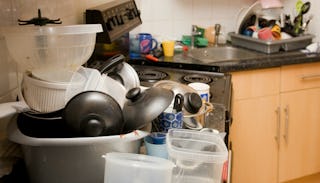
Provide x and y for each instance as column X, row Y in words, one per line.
column 265, row 61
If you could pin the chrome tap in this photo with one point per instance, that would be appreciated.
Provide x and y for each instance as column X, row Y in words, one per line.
column 217, row 28
column 194, row 32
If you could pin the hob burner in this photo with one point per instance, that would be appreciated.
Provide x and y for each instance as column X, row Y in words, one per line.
column 151, row 75
column 191, row 78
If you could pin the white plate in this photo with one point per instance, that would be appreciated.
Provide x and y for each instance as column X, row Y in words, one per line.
column 129, row 76
column 135, row 75
column 250, row 11
column 113, row 88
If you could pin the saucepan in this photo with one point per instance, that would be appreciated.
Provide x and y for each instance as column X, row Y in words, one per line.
column 89, row 113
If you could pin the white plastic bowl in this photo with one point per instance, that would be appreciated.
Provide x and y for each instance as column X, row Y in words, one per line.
column 46, row 96
column 51, row 47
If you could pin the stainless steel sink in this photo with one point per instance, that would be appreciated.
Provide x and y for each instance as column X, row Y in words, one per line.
column 223, row 53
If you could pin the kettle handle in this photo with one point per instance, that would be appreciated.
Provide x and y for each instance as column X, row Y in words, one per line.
column 112, row 63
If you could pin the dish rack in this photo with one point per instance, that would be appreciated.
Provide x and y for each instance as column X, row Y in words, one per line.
column 275, row 46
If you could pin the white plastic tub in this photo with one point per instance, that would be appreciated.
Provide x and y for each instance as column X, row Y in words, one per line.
column 137, row 168
column 71, row 160
column 198, row 156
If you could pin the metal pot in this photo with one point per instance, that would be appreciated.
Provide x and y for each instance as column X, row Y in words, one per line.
column 192, row 101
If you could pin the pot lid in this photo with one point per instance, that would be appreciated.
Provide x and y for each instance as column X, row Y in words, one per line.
column 93, row 113
column 144, row 106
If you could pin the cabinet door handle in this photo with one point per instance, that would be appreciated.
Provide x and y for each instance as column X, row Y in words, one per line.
column 310, row 76
column 286, row 128
column 277, row 137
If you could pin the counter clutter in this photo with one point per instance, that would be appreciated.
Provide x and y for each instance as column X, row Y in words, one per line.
column 105, row 112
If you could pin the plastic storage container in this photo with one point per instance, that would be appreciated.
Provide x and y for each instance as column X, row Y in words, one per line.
column 198, row 156
column 70, row 160
column 139, row 168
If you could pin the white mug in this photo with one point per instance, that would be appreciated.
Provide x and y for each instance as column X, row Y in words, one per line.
column 202, row 89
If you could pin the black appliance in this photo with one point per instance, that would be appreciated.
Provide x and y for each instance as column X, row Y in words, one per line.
column 117, row 18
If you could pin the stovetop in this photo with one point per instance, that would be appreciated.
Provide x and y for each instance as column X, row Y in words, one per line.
column 220, row 83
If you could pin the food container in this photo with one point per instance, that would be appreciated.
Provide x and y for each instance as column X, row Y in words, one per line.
column 140, row 168
column 198, row 156
column 275, row 46
column 70, row 160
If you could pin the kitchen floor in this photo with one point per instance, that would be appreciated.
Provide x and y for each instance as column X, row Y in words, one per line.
column 315, row 178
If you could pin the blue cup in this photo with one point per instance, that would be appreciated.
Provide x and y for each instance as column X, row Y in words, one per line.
column 158, row 137
column 168, row 120
column 147, row 43
column 152, row 149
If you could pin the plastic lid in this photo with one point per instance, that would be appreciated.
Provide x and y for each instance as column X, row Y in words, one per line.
column 138, row 160
column 53, row 30
column 196, row 146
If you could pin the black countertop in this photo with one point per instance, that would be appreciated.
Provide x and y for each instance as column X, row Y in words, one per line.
column 263, row 61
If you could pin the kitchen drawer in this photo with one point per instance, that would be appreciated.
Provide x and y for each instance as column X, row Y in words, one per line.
column 256, row 83
column 300, row 76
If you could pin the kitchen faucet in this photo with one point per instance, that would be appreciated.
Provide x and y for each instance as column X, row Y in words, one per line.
column 194, row 32
column 217, row 28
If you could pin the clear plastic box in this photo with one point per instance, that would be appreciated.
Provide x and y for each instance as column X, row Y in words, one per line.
column 198, row 156
column 136, row 168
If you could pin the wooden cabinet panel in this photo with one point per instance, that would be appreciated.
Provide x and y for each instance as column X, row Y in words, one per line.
column 249, row 84
column 253, row 140
column 257, row 156
column 300, row 137
column 301, row 76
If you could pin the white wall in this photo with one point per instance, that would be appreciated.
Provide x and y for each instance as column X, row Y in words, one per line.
column 171, row 18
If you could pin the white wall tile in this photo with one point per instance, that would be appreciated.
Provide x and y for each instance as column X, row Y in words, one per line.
column 162, row 10
column 201, row 9
column 182, row 9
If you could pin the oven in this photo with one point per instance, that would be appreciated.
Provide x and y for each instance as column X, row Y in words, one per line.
column 220, row 88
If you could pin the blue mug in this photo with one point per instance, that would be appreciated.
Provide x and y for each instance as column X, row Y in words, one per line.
column 147, row 43
column 168, row 120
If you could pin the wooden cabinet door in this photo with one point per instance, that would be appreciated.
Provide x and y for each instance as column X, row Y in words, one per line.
column 300, row 134
column 252, row 134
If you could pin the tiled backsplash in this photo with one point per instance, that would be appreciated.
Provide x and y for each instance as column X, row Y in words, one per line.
column 172, row 18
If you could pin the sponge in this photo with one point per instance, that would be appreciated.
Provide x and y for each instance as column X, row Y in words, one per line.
column 201, row 42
